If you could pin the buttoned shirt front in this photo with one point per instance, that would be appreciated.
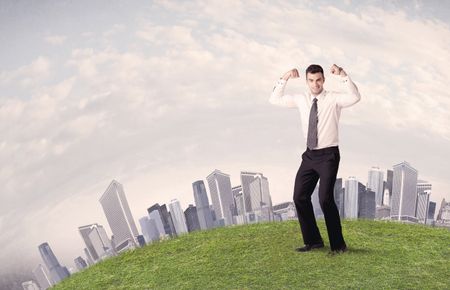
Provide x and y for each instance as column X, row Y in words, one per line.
column 329, row 106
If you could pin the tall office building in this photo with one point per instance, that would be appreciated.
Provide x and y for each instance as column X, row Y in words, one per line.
column 163, row 220
column 97, row 241
column 178, row 218
column 221, row 195
column 431, row 212
column 89, row 258
column 423, row 198
column 80, row 263
column 57, row 272
column 118, row 214
column 149, row 229
column 375, row 184
column 389, row 181
column 318, row 213
column 205, row 217
column 404, row 192
column 238, row 211
column 339, row 196
column 353, row 188
column 366, row 204
column 444, row 212
column 42, row 277
column 257, row 200
column 192, row 218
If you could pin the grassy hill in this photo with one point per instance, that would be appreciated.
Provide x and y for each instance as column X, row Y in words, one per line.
column 382, row 255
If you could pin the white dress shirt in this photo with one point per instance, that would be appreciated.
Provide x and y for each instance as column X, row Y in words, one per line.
column 329, row 105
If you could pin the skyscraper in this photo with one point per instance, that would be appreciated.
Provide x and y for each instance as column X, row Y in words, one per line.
column 375, row 184
column 239, row 211
column 444, row 212
column 366, row 204
column 339, row 196
column 201, row 202
column 353, row 188
column 431, row 212
column 163, row 220
column 80, row 263
column 42, row 277
column 57, row 272
column 96, row 240
column 221, row 195
column 389, row 181
column 178, row 218
column 192, row 218
column 423, row 198
column 404, row 192
column 149, row 229
column 257, row 200
column 118, row 214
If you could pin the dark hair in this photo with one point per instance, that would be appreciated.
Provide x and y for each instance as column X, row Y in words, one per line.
column 314, row 68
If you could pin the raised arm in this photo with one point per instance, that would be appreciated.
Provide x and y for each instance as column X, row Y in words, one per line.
column 352, row 95
column 278, row 97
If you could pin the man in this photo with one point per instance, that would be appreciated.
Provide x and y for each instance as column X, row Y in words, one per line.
column 319, row 112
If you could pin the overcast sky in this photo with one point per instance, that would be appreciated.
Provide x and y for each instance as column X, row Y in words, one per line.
column 158, row 94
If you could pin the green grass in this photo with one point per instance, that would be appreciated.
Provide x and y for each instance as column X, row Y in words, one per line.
column 382, row 255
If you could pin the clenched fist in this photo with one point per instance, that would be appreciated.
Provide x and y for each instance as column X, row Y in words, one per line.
column 336, row 70
column 293, row 73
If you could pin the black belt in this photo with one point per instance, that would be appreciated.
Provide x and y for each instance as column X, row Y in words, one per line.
column 324, row 150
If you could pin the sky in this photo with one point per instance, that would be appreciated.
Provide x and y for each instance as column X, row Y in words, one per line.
column 158, row 94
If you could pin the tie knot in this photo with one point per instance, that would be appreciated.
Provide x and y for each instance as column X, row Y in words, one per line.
column 315, row 100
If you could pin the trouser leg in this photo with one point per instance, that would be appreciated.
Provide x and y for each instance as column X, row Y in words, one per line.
column 328, row 171
column 305, row 182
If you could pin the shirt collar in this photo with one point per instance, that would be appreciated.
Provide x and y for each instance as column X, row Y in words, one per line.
column 319, row 97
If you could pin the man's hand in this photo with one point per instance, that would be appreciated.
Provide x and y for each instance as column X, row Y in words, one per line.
column 336, row 70
column 293, row 73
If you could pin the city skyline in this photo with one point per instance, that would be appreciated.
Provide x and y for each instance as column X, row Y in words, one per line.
column 360, row 202
column 157, row 94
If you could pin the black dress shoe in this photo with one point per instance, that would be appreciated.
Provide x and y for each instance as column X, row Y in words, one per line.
column 309, row 247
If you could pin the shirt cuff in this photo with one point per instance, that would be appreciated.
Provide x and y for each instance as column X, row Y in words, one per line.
column 281, row 81
column 345, row 79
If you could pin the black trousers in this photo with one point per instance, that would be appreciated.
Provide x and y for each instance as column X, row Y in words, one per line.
column 324, row 164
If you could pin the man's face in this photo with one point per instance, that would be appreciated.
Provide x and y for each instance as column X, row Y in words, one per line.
column 315, row 82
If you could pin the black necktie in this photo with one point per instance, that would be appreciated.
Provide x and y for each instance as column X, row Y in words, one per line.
column 312, row 128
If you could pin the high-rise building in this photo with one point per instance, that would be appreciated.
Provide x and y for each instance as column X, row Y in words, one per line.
column 202, row 204
column 375, row 184
column 444, row 212
column 353, row 188
column 239, row 210
column 150, row 229
column 257, row 200
column 97, row 241
column 163, row 220
column 89, row 258
column 431, row 212
column 389, row 181
column 178, row 218
column 192, row 218
column 315, row 200
column 118, row 214
column 339, row 196
column 80, row 263
column 57, row 272
column 423, row 198
column 366, row 204
column 221, row 195
column 285, row 211
column 42, row 277
column 404, row 192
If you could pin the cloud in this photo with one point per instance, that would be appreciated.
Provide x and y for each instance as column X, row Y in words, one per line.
column 55, row 39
